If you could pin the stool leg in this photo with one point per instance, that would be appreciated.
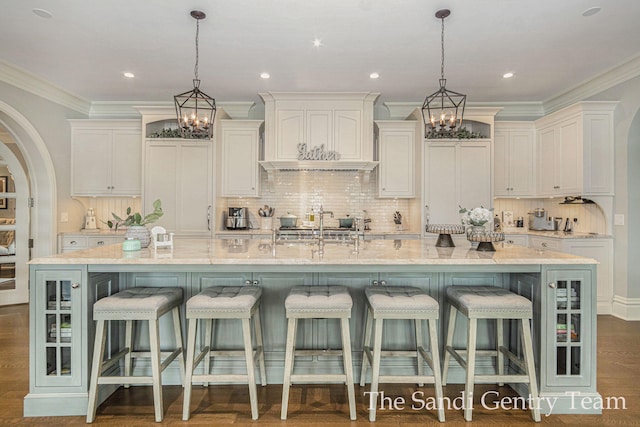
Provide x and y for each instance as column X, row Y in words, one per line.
column 419, row 344
column 375, row 368
column 128, row 339
column 435, row 357
column 527, row 343
column 471, row 366
column 348, row 365
column 288, row 365
column 367, row 344
column 257, row 324
column 177, row 328
column 207, row 342
column 451, row 327
column 251, row 376
column 96, row 368
column 191, row 346
column 499, row 344
column 154, row 349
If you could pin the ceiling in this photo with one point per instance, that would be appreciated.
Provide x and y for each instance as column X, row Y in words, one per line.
column 85, row 46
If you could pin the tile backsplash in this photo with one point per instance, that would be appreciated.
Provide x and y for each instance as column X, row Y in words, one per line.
column 343, row 192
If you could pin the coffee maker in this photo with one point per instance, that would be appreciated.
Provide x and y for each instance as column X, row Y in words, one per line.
column 237, row 219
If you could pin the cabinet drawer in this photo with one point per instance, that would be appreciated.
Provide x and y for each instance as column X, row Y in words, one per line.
column 74, row 242
column 102, row 241
column 544, row 243
column 518, row 239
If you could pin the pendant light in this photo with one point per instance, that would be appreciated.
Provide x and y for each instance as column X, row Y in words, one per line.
column 442, row 111
column 195, row 109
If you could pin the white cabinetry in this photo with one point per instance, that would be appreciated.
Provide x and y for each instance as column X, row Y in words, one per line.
column 340, row 122
column 514, row 159
column 516, row 239
column 397, row 148
column 105, row 157
column 69, row 242
column 575, row 150
column 238, row 166
column 179, row 172
column 458, row 173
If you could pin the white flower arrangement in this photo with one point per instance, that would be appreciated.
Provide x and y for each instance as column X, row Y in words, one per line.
column 476, row 216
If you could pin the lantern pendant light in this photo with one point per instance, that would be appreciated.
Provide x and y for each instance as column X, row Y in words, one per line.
column 196, row 110
column 442, row 111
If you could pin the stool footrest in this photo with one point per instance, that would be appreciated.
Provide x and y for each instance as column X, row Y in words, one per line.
column 406, row 379
column 125, row 380
column 221, row 378
column 115, row 359
column 323, row 378
column 318, row 352
column 514, row 359
column 501, row 378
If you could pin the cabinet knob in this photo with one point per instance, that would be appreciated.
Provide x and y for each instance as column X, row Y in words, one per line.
column 544, row 244
column 100, row 243
column 552, row 285
column 374, row 282
column 247, row 282
column 255, row 282
column 73, row 242
column 510, row 241
column 75, row 285
column 383, row 283
column 384, row 189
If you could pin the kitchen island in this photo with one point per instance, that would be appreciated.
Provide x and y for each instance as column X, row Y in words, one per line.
column 64, row 287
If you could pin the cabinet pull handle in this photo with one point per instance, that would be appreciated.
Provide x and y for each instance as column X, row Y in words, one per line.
column 374, row 282
column 100, row 243
column 73, row 242
column 255, row 282
column 544, row 244
column 247, row 282
column 75, row 285
column 383, row 283
column 209, row 217
column 552, row 285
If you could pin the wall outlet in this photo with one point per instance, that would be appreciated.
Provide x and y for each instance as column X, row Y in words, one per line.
column 64, row 216
column 618, row 219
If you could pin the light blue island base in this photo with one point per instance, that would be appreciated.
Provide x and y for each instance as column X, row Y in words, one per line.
column 64, row 287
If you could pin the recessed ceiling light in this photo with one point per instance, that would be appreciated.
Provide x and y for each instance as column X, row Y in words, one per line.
column 507, row 75
column 264, row 75
column 317, row 43
column 128, row 75
column 374, row 75
column 42, row 13
column 591, row 11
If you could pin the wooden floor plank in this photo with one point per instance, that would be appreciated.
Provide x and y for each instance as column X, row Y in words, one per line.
column 311, row 406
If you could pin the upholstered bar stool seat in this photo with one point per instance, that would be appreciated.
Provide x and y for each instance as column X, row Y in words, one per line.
column 136, row 304
column 488, row 302
column 400, row 303
column 224, row 302
column 318, row 302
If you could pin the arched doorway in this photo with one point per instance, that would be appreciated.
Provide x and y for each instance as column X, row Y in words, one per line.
column 38, row 178
column 14, row 228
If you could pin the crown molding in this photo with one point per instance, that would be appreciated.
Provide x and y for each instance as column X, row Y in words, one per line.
column 601, row 82
column 33, row 84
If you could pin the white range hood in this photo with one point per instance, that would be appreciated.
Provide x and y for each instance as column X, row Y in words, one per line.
column 330, row 131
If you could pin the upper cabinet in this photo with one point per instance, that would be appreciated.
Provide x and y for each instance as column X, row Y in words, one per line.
column 575, row 150
column 239, row 148
column 397, row 156
column 514, row 159
column 105, row 157
column 318, row 130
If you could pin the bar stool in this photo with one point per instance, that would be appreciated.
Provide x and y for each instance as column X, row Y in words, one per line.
column 318, row 302
column 146, row 304
column 224, row 302
column 488, row 302
column 400, row 303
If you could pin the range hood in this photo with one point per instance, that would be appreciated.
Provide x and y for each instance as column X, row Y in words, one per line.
column 325, row 165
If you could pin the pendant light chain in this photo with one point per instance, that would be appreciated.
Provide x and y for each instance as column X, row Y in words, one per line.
column 198, row 42
column 442, row 47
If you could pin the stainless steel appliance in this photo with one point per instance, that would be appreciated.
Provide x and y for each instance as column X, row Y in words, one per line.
column 538, row 221
column 237, row 219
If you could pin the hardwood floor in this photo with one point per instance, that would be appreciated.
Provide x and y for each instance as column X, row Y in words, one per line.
column 618, row 375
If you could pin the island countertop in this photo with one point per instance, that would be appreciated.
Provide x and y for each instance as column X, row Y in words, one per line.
column 264, row 252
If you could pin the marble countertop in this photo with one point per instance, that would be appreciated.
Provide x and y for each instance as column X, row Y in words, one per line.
column 263, row 252
column 555, row 234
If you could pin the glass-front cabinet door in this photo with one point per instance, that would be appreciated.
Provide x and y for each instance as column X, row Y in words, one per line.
column 58, row 328
column 569, row 293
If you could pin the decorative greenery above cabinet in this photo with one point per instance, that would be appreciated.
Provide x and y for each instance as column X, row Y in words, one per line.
column 105, row 157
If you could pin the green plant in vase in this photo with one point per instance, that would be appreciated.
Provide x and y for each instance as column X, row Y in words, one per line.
column 136, row 223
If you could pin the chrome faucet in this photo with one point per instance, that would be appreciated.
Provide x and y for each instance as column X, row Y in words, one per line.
column 321, row 213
